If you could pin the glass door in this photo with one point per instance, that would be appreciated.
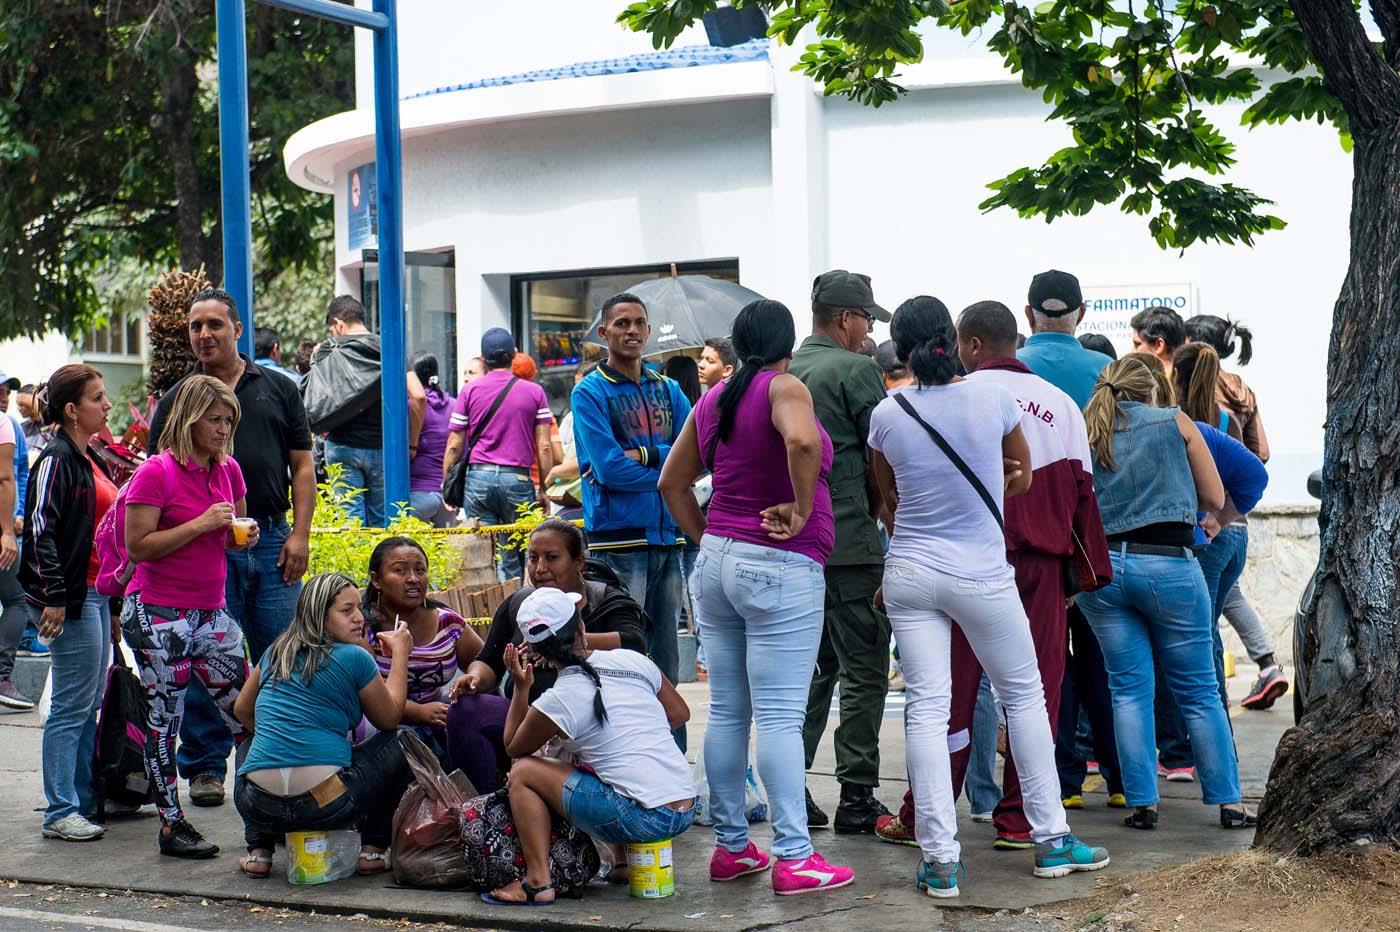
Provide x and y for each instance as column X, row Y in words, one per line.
column 430, row 280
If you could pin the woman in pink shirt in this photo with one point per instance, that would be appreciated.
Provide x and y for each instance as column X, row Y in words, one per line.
column 180, row 515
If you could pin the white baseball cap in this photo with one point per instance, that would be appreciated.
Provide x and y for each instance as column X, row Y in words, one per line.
column 545, row 612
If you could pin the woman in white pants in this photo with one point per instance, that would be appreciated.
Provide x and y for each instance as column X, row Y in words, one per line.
column 946, row 563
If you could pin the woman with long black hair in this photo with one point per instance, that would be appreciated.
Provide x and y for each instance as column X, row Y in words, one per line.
column 443, row 642
column 938, row 451
column 427, row 445
column 759, row 588
column 614, row 712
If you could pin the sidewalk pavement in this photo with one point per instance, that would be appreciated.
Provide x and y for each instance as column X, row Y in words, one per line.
column 883, row 894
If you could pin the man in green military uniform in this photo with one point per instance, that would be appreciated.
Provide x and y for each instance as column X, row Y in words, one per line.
column 855, row 646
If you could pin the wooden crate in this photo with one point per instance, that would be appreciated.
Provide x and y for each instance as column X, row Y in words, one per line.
column 476, row 602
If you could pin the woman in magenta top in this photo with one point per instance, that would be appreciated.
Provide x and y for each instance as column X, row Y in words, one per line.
column 759, row 588
column 181, row 508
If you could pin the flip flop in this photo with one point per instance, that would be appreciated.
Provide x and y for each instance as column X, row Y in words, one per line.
column 530, row 894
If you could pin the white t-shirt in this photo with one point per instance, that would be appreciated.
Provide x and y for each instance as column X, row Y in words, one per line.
column 632, row 751
column 941, row 521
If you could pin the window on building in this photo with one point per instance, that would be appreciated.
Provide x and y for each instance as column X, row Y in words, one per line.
column 430, row 284
column 553, row 314
column 120, row 339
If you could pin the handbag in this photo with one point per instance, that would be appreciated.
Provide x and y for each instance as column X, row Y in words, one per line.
column 454, row 485
column 957, row 461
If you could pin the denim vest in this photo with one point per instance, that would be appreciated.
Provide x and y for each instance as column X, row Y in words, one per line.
column 1152, row 482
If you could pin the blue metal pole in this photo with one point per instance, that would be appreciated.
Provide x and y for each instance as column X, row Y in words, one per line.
column 342, row 13
column 392, row 323
column 233, row 162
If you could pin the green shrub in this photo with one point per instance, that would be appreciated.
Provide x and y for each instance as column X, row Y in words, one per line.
column 340, row 545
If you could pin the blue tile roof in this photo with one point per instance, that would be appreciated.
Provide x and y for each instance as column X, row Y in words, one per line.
column 688, row 56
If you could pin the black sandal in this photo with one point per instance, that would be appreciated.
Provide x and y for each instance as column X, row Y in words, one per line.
column 530, row 894
column 1145, row 819
column 1238, row 818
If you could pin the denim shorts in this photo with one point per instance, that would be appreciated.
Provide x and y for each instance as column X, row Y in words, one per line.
column 609, row 816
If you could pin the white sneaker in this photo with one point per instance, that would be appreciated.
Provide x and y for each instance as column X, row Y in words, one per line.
column 73, row 828
column 981, row 817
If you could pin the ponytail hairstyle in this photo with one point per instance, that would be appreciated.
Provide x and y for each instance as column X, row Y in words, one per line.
column 925, row 340
column 763, row 334
column 1166, row 392
column 66, row 386
column 1196, row 371
column 425, row 366
column 1127, row 379
column 1219, row 333
column 559, row 648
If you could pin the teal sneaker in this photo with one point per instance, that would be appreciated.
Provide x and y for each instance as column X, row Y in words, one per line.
column 1068, row 856
column 939, row 879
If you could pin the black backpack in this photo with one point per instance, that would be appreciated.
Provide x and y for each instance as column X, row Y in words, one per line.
column 119, row 762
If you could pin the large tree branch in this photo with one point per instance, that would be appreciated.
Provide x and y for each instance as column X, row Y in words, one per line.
column 1367, row 87
column 1387, row 16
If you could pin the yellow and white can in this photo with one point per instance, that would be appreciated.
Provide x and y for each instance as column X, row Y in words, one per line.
column 649, row 871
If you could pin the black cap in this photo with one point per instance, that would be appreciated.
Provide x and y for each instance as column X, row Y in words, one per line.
column 839, row 288
column 1055, row 293
column 887, row 359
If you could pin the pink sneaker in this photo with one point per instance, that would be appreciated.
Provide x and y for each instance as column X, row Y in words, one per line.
column 726, row 865
column 809, row 875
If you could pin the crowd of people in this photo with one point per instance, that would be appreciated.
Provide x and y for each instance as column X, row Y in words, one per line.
column 1044, row 536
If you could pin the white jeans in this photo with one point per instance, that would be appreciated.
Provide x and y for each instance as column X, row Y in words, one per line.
column 922, row 604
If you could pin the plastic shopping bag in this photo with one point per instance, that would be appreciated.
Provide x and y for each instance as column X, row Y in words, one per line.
column 427, row 847
column 755, row 799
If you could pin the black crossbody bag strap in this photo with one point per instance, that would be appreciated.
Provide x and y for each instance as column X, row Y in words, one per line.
column 956, row 460
column 486, row 418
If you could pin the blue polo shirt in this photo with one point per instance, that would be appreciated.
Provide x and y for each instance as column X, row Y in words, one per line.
column 1060, row 360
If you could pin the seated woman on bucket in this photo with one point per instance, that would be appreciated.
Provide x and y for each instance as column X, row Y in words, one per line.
column 615, row 713
column 301, row 702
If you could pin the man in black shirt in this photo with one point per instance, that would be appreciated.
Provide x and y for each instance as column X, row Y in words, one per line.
column 272, row 445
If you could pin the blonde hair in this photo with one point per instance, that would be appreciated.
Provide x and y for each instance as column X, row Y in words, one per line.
column 306, row 638
column 1127, row 379
column 1166, row 392
column 193, row 399
column 1196, row 369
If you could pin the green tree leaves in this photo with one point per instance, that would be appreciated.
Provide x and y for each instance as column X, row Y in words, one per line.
column 109, row 145
column 1128, row 78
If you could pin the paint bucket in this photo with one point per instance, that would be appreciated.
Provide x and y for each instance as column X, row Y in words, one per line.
column 320, row 857
column 649, row 872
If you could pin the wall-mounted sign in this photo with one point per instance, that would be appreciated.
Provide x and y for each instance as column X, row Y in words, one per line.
column 362, row 228
column 1109, row 309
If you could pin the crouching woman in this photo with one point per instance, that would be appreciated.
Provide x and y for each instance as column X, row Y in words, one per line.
column 302, row 699
column 614, row 712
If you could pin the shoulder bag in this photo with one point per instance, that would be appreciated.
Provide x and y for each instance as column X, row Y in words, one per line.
column 455, row 483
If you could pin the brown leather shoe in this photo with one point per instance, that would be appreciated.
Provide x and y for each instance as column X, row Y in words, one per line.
column 207, row 790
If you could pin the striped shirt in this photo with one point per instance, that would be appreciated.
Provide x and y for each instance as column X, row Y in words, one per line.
column 431, row 666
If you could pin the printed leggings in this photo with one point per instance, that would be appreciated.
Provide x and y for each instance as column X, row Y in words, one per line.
column 171, row 644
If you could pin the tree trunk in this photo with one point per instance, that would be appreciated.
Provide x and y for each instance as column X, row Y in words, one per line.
column 179, row 89
column 1336, row 777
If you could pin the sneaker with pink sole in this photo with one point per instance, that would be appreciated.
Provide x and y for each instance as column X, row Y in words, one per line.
column 809, row 875
column 726, row 865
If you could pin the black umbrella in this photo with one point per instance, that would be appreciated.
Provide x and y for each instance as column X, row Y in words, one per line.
column 686, row 310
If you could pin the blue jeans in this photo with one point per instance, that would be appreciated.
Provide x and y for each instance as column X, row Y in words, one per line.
column 263, row 605
column 79, row 657
column 428, row 506
column 653, row 577
column 494, row 495
column 760, row 612
column 362, row 469
column 1221, row 562
column 609, row 816
column 1157, row 606
column 980, row 784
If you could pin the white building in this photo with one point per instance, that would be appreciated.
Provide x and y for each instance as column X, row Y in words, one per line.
column 550, row 163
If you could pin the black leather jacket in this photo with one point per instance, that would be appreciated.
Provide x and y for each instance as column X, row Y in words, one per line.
column 58, row 526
